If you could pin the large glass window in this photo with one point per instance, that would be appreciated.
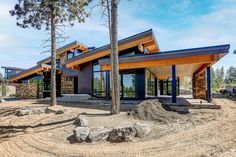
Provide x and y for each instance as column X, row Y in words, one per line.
column 77, row 52
column 150, row 83
column 99, row 81
column 128, row 81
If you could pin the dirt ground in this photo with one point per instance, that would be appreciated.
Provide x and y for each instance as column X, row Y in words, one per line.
column 200, row 133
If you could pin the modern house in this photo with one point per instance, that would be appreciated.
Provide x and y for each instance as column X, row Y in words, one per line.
column 145, row 71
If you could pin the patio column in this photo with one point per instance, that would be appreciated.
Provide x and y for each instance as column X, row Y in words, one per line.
column 173, row 92
column 209, row 99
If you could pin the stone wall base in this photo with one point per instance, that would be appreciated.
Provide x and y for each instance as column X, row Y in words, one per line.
column 27, row 91
column 199, row 86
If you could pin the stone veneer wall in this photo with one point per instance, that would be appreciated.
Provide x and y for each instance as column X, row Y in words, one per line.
column 199, row 86
column 67, row 87
column 27, row 91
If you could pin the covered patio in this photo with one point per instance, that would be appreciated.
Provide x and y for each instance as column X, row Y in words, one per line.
column 174, row 65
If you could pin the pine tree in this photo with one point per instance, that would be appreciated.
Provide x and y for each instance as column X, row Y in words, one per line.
column 49, row 15
column 110, row 10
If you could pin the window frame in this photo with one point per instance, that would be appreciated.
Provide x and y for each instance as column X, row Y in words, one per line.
column 103, row 92
column 150, row 84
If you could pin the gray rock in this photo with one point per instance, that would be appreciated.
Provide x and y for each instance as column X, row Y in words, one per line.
column 38, row 111
column 81, row 133
column 2, row 101
column 122, row 134
column 23, row 111
column 81, row 122
column 99, row 134
column 48, row 110
column 142, row 130
column 59, row 112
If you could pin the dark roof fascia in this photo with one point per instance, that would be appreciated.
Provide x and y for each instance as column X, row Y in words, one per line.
column 13, row 68
column 172, row 54
column 59, row 49
column 107, row 47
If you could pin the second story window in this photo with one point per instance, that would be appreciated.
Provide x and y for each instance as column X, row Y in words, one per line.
column 77, row 52
column 74, row 54
column 70, row 55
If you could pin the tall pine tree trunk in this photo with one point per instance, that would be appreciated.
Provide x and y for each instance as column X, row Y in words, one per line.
column 115, row 108
column 53, row 56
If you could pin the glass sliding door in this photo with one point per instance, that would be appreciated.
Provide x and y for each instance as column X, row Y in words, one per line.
column 167, row 86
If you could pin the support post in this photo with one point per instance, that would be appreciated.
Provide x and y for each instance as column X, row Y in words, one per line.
column 173, row 84
column 156, row 94
column 209, row 99
column 107, row 85
column 161, row 87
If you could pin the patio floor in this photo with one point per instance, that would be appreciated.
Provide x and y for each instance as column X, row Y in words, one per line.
column 187, row 101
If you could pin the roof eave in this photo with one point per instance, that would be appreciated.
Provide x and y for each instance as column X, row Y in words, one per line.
column 220, row 49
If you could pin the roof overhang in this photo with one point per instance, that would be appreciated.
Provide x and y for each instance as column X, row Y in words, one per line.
column 205, row 56
column 31, row 71
column 145, row 40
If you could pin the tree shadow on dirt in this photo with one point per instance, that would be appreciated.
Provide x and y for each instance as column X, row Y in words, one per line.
column 105, row 107
column 10, row 131
column 6, row 111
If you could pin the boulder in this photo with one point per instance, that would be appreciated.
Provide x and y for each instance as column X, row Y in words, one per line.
column 122, row 134
column 142, row 130
column 99, row 134
column 48, row 110
column 59, row 112
column 23, row 111
column 81, row 133
column 80, row 121
column 55, row 109
column 2, row 101
column 38, row 111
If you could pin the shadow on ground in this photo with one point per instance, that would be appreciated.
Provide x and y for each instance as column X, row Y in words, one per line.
column 10, row 131
column 106, row 107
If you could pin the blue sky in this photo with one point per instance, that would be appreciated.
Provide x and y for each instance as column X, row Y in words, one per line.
column 177, row 24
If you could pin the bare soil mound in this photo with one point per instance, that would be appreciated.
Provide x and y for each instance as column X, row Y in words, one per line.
column 154, row 111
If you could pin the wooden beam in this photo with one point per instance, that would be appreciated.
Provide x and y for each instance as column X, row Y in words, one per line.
column 140, row 47
column 164, row 62
column 151, row 43
column 76, row 67
column 202, row 68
